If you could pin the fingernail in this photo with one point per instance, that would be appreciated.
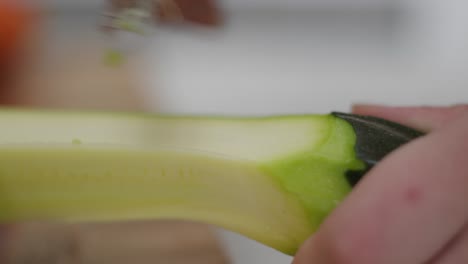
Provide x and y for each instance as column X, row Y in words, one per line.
column 306, row 253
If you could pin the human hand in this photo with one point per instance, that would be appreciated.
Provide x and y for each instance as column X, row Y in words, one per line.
column 412, row 208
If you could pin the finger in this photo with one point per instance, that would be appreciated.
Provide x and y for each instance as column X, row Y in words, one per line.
column 455, row 252
column 406, row 209
column 423, row 118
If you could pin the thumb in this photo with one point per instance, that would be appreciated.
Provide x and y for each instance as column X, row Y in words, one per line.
column 422, row 118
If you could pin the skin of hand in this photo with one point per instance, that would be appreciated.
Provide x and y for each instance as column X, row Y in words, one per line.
column 412, row 208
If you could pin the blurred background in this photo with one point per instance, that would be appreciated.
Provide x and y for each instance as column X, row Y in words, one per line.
column 235, row 57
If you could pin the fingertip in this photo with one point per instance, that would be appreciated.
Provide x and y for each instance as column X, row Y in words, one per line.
column 306, row 252
column 357, row 106
column 317, row 250
column 379, row 109
column 424, row 118
column 417, row 117
column 366, row 108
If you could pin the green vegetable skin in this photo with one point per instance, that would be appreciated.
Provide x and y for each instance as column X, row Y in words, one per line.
column 272, row 179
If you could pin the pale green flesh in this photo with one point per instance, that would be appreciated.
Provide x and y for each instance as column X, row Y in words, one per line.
column 270, row 179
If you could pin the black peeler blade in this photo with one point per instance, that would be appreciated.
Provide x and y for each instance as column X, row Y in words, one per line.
column 375, row 139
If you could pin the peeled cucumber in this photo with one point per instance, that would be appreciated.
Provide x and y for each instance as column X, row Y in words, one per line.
column 272, row 179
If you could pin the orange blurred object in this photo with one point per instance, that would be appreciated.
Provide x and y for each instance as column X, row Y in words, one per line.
column 16, row 21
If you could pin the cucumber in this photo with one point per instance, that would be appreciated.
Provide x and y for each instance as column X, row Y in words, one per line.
column 272, row 179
